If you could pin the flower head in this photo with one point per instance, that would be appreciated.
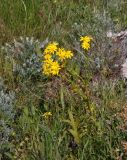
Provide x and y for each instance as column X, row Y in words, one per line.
column 51, row 67
column 69, row 54
column 63, row 54
column 47, row 56
column 55, row 68
column 47, row 114
column 86, row 45
column 51, row 48
column 46, row 68
column 86, row 38
column 86, row 42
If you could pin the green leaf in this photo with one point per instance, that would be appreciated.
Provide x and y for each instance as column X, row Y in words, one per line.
column 75, row 135
column 26, row 112
column 62, row 97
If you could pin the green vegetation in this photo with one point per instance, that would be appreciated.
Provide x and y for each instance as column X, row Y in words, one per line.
column 79, row 113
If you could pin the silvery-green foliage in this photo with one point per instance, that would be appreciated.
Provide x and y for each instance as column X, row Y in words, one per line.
column 26, row 56
column 124, row 69
column 7, row 114
column 98, row 62
column 5, row 133
column 6, row 103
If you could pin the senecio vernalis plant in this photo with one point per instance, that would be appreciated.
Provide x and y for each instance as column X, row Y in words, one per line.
column 31, row 57
column 55, row 57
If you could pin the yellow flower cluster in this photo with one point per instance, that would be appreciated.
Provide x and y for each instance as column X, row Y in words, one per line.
column 86, row 42
column 54, row 58
column 47, row 114
column 63, row 54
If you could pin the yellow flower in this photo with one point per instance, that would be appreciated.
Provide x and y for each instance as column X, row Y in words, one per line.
column 47, row 56
column 47, row 114
column 86, row 45
column 46, row 68
column 51, row 52
column 51, row 48
column 86, row 42
column 55, row 68
column 69, row 54
column 86, row 38
column 51, row 67
column 63, row 54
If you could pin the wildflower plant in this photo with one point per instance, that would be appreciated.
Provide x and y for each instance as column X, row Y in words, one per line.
column 54, row 59
column 66, row 105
